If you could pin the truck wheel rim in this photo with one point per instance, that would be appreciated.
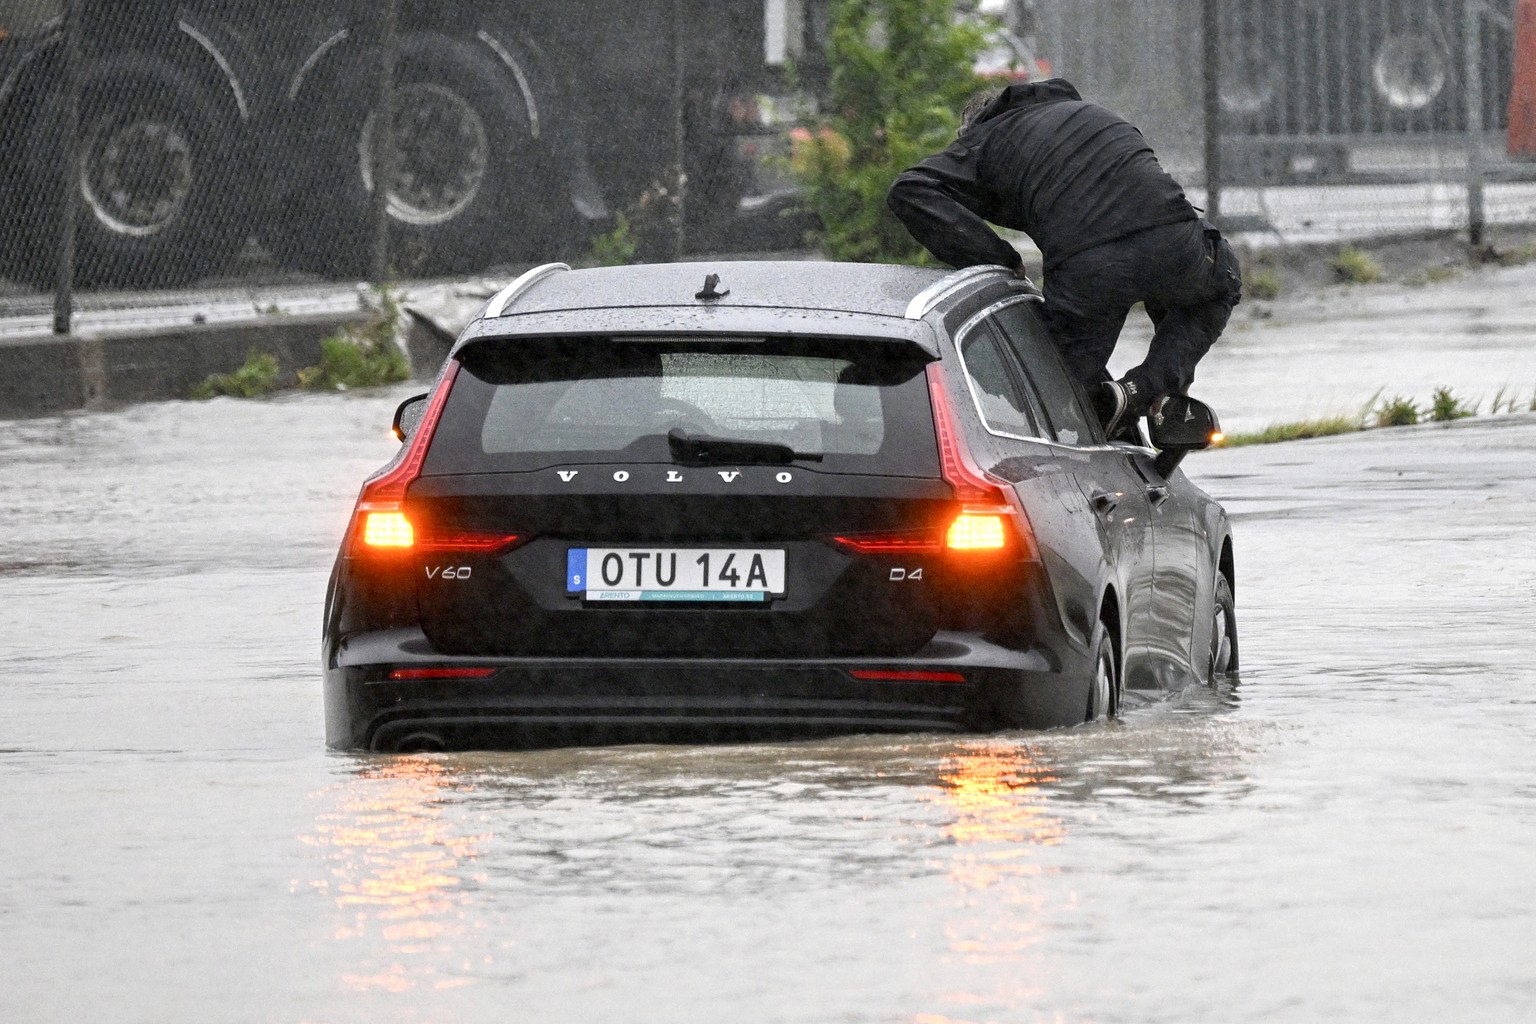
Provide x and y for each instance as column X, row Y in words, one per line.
column 442, row 154
column 136, row 175
column 1410, row 71
column 1247, row 81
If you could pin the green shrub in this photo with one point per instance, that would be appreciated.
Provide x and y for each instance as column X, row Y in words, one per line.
column 901, row 71
column 257, row 377
column 1446, row 407
column 361, row 357
column 1397, row 412
column 615, row 248
column 1356, row 266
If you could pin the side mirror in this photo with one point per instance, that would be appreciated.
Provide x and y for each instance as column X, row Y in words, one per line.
column 408, row 417
column 1182, row 425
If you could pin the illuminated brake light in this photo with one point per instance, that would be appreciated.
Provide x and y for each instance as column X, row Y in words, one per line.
column 383, row 496
column 973, row 532
column 394, row 530
column 988, row 508
column 442, row 673
column 906, row 676
column 388, row 530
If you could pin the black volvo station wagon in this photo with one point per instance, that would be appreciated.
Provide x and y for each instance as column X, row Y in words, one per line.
column 764, row 500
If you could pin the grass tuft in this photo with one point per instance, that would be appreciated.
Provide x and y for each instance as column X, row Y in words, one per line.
column 1397, row 412
column 1445, row 407
column 1299, row 431
column 257, row 377
column 1262, row 283
column 1503, row 401
column 1356, row 266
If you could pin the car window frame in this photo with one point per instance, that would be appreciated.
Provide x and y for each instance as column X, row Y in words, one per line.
column 1097, row 439
column 1031, row 409
column 904, row 405
column 1097, row 442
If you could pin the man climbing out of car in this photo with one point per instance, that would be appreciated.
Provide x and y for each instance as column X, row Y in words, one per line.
column 1114, row 229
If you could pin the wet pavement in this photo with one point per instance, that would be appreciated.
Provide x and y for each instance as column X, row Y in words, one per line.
column 1344, row 835
column 1332, row 350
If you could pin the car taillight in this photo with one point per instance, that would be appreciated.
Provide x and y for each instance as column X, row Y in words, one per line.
column 906, row 676
column 443, row 672
column 989, row 518
column 388, row 530
column 380, row 524
column 893, row 542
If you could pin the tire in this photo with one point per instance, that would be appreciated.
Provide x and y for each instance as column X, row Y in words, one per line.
column 1412, row 75
column 1223, row 653
column 164, row 190
column 1104, row 688
column 467, row 191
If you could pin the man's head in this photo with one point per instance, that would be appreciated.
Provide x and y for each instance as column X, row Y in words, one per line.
column 975, row 105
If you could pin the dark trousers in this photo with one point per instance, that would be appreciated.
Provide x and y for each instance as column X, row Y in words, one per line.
column 1185, row 273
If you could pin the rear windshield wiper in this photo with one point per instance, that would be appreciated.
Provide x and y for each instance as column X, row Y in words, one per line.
column 702, row 450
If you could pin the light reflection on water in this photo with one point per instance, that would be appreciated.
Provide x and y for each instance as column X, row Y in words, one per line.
column 424, row 859
column 397, row 867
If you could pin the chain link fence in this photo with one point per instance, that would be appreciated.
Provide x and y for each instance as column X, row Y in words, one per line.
column 244, row 140
column 241, row 140
column 1334, row 119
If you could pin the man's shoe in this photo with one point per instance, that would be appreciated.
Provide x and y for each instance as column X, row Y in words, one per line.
column 1120, row 404
column 1111, row 403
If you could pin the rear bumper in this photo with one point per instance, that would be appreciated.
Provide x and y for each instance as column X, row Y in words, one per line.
column 547, row 702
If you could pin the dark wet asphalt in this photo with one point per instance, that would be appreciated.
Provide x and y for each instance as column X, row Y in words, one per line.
column 1346, row 835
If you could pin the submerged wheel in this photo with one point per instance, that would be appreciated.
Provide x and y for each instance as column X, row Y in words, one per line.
column 1223, row 658
column 1104, row 690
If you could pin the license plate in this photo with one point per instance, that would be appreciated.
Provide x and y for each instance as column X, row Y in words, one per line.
column 675, row 574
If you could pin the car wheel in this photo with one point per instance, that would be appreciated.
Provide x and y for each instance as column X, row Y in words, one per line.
column 1223, row 659
column 164, row 188
column 467, row 191
column 1104, row 690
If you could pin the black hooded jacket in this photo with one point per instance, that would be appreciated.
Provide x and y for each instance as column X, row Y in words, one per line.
column 1039, row 159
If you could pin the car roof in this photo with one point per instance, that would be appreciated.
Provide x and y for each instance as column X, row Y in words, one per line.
column 786, row 296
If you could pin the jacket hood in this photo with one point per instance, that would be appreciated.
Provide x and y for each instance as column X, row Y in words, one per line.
column 1029, row 94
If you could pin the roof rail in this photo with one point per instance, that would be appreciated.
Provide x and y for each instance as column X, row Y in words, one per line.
column 924, row 301
column 508, row 295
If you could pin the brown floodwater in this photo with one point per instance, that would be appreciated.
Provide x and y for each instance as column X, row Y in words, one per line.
column 1344, row 834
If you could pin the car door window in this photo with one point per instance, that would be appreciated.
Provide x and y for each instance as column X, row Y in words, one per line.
column 996, row 392
column 1026, row 336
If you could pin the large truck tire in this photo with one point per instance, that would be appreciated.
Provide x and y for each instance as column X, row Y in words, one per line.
column 164, row 190
column 470, row 187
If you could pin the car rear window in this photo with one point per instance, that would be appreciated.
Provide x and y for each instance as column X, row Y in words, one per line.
column 531, row 403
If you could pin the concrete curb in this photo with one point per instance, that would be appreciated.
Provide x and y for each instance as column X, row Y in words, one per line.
column 50, row 375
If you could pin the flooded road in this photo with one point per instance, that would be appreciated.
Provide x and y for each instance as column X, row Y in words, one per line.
column 1347, row 834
